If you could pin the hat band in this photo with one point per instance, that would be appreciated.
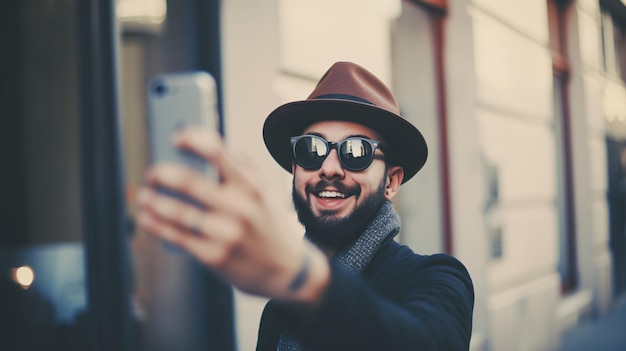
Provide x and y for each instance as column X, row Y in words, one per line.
column 343, row 97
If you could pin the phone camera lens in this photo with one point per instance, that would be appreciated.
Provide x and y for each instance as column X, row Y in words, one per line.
column 159, row 89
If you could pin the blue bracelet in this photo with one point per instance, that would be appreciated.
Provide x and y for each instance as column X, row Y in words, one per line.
column 300, row 279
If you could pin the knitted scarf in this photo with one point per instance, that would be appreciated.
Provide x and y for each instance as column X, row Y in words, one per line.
column 355, row 257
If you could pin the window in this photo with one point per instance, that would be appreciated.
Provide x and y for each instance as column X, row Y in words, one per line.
column 613, row 22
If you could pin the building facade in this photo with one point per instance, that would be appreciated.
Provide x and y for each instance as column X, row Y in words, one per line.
column 516, row 100
column 522, row 104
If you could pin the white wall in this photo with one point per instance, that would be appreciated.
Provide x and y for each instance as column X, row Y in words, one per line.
column 514, row 114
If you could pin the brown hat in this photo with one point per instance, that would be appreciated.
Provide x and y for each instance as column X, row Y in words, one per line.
column 348, row 92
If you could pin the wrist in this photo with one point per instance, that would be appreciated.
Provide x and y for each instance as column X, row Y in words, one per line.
column 311, row 280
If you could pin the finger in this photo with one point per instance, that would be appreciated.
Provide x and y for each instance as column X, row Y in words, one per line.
column 160, row 228
column 220, row 228
column 170, row 209
column 231, row 199
column 203, row 141
column 226, row 237
column 232, row 169
column 183, row 180
column 214, row 253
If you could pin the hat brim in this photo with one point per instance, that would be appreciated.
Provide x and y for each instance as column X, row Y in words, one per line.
column 405, row 140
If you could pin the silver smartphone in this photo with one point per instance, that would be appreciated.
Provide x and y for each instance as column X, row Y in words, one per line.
column 176, row 101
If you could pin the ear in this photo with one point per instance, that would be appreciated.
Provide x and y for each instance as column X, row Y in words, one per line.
column 395, row 175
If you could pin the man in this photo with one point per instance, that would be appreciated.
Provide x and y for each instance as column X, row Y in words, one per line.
column 349, row 286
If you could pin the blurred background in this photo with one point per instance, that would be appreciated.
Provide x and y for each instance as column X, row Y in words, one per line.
column 522, row 103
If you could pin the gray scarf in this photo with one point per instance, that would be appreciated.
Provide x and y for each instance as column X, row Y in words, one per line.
column 355, row 258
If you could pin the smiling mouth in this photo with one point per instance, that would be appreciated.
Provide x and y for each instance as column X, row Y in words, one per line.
column 331, row 195
column 334, row 190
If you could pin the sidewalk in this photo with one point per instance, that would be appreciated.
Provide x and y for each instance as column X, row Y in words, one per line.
column 607, row 333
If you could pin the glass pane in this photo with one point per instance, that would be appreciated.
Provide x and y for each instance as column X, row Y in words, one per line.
column 42, row 288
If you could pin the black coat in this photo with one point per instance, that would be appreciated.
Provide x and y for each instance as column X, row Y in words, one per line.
column 404, row 301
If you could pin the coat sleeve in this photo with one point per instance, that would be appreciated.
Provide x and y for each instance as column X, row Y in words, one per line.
column 416, row 304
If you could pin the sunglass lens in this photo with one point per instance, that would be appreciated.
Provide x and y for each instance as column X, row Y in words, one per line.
column 356, row 154
column 310, row 152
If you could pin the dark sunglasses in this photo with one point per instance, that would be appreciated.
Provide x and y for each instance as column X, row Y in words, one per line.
column 355, row 153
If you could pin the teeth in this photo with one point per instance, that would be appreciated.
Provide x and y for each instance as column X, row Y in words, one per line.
column 332, row 194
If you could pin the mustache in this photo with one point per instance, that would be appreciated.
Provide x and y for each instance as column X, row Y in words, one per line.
column 337, row 184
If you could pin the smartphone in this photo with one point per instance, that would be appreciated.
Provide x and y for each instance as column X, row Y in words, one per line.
column 172, row 285
column 176, row 101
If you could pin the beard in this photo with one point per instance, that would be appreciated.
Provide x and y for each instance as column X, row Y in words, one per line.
column 329, row 232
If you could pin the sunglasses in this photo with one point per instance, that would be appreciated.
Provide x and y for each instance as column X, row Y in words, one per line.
column 355, row 153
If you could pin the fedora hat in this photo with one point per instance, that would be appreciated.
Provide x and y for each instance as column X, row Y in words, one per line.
column 348, row 92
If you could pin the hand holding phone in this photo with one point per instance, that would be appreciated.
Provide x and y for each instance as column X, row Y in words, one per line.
column 241, row 235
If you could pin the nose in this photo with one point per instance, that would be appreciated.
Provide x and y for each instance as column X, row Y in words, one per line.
column 331, row 167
